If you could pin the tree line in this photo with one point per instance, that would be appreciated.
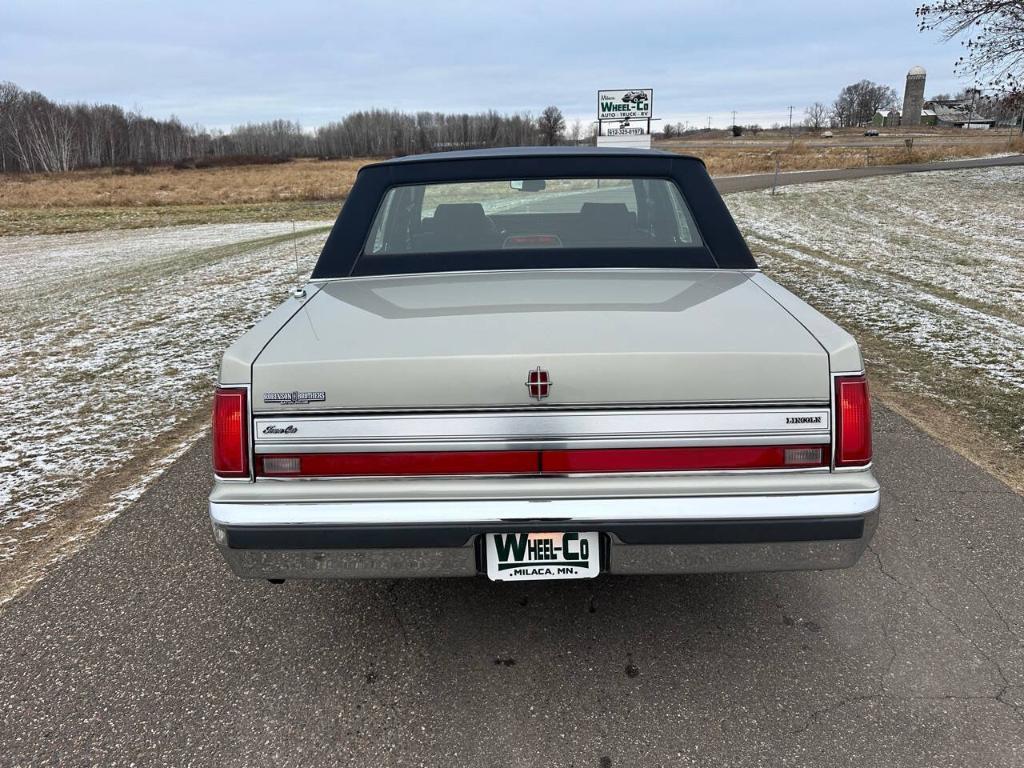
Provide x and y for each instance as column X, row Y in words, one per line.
column 37, row 134
column 857, row 104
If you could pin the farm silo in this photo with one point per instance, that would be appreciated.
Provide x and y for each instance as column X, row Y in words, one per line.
column 913, row 96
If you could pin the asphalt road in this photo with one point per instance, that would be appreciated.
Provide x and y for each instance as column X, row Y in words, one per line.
column 726, row 184
column 144, row 650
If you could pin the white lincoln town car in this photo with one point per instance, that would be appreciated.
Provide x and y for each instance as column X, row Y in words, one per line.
column 540, row 364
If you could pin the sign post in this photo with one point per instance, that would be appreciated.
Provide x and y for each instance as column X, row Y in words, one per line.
column 624, row 118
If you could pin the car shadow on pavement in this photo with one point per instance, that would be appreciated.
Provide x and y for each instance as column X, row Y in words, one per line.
column 714, row 653
column 622, row 621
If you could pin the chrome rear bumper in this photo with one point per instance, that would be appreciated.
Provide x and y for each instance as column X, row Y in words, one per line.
column 374, row 539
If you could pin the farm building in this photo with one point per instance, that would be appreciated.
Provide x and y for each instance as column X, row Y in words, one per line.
column 958, row 113
column 886, row 118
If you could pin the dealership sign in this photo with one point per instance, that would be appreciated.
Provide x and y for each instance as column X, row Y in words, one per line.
column 633, row 104
column 626, row 129
column 624, row 118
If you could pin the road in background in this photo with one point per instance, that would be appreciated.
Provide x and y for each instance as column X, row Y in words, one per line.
column 843, row 139
column 755, row 181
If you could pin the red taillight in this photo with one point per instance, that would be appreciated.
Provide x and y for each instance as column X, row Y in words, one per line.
column 683, row 459
column 541, row 462
column 401, row 463
column 853, row 422
column 230, row 435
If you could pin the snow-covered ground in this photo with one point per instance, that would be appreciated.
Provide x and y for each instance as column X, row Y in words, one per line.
column 930, row 263
column 108, row 347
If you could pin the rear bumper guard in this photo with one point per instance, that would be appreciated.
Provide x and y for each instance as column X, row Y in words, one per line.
column 333, row 540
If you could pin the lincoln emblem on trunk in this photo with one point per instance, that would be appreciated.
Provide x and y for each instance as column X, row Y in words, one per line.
column 538, row 383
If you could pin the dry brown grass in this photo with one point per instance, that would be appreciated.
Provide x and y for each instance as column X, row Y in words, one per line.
column 726, row 161
column 297, row 180
column 53, row 220
column 165, row 189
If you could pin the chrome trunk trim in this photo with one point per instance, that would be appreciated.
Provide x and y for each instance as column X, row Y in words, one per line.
column 532, row 430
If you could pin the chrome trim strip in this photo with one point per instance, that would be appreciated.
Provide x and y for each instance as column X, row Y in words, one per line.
column 605, row 428
column 541, row 511
column 535, row 445
column 584, row 407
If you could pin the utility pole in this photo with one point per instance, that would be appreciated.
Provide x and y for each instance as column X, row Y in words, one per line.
column 709, row 122
column 790, row 122
column 734, row 118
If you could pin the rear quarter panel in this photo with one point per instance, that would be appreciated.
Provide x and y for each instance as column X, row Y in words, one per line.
column 843, row 352
column 236, row 365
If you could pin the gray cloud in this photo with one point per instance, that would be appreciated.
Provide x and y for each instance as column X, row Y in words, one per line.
column 229, row 62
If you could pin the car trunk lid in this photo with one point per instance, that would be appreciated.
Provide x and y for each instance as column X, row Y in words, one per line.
column 604, row 338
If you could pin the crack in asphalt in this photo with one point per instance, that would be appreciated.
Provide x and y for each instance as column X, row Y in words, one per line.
column 959, row 630
column 952, row 622
column 884, row 694
column 846, row 701
column 992, row 605
column 395, row 613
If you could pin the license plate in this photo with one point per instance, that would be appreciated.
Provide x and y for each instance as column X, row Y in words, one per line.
column 532, row 556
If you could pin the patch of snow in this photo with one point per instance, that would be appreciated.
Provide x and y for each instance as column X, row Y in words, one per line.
column 110, row 341
column 931, row 262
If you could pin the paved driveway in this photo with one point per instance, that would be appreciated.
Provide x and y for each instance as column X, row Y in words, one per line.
column 144, row 650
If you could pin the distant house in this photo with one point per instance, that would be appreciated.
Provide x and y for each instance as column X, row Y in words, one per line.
column 958, row 113
column 886, row 118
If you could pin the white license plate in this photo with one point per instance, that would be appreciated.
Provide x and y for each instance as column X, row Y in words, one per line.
column 532, row 556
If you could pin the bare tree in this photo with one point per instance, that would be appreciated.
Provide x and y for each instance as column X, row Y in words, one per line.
column 994, row 41
column 382, row 132
column 550, row 125
column 577, row 132
column 816, row 116
column 37, row 134
column 858, row 103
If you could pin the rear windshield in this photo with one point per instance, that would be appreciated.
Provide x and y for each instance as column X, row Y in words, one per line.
column 531, row 223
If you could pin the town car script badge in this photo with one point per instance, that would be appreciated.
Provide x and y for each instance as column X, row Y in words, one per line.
column 538, row 383
column 294, row 398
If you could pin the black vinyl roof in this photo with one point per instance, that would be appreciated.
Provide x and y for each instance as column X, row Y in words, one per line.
column 507, row 153
column 722, row 240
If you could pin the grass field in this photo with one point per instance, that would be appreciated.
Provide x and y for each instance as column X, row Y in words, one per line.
column 63, row 219
column 164, row 186
column 928, row 272
column 109, row 344
column 806, row 155
column 312, row 190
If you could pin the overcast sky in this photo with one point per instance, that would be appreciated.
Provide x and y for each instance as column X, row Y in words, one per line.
column 223, row 62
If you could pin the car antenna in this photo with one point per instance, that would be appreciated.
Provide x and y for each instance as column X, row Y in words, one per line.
column 299, row 291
